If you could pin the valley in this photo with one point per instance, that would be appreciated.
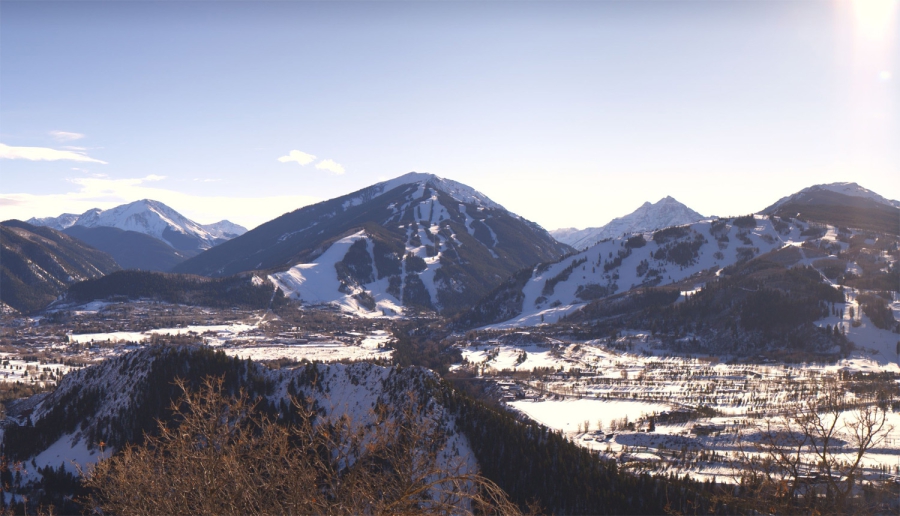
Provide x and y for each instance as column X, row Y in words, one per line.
column 692, row 356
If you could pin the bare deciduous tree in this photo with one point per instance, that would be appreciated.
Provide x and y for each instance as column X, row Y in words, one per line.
column 811, row 458
column 224, row 458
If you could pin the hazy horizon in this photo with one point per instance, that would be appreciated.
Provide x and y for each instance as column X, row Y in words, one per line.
column 568, row 114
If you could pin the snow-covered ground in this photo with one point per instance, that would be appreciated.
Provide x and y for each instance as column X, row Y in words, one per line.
column 588, row 390
column 371, row 348
column 568, row 415
column 14, row 369
column 872, row 342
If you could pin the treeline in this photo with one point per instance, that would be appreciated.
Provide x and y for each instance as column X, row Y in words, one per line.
column 536, row 465
column 877, row 310
column 758, row 306
column 81, row 393
column 423, row 348
column 178, row 289
column 503, row 302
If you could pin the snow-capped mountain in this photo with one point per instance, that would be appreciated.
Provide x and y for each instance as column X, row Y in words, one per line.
column 151, row 218
column 848, row 189
column 417, row 240
column 457, row 191
column 549, row 291
column 846, row 205
column 60, row 223
column 649, row 217
column 224, row 229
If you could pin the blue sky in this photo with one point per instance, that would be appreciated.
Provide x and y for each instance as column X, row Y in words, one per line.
column 569, row 114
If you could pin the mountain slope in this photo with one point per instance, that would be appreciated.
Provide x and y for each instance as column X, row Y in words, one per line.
column 841, row 204
column 38, row 263
column 548, row 292
column 130, row 249
column 155, row 219
column 151, row 218
column 241, row 290
column 649, row 217
column 417, row 240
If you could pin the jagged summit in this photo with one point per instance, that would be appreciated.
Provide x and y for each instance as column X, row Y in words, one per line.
column 58, row 223
column 648, row 217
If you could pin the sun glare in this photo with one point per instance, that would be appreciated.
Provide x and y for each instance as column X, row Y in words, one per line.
column 875, row 19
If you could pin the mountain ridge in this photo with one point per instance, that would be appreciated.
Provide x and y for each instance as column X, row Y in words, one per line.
column 152, row 218
column 39, row 263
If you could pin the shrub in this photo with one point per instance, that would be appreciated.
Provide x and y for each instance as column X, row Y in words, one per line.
column 225, row 457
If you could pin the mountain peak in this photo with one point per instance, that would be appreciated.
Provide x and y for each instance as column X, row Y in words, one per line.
column 648, row 217
column 225, row 229
column 153, row 218
column 844, row 188
column 458, row 191
column 418, row 240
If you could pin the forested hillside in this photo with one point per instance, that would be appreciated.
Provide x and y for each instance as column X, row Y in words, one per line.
column 38, row 263
column 242, row 290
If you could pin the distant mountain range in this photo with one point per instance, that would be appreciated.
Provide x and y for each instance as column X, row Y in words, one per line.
column 144, row 234
column 649, row 217
column 420, row 241
column 670, row 255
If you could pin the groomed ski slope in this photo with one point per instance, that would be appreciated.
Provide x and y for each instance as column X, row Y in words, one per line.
column 539, row 307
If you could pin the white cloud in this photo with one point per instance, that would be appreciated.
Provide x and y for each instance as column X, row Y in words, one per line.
column 331, row 166
column 43, row 154
column 66, row 136
column 105, row 193
column 300, row 157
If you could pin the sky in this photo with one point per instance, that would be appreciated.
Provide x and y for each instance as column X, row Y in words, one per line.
column 566, row 113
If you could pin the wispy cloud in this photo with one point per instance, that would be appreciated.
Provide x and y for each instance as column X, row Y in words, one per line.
column 331, row 166
column 304, row 158
column 299, row 156
column 66, row 136
column 44, row 154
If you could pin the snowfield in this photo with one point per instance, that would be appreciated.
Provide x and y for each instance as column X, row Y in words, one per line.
column 568, row 415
